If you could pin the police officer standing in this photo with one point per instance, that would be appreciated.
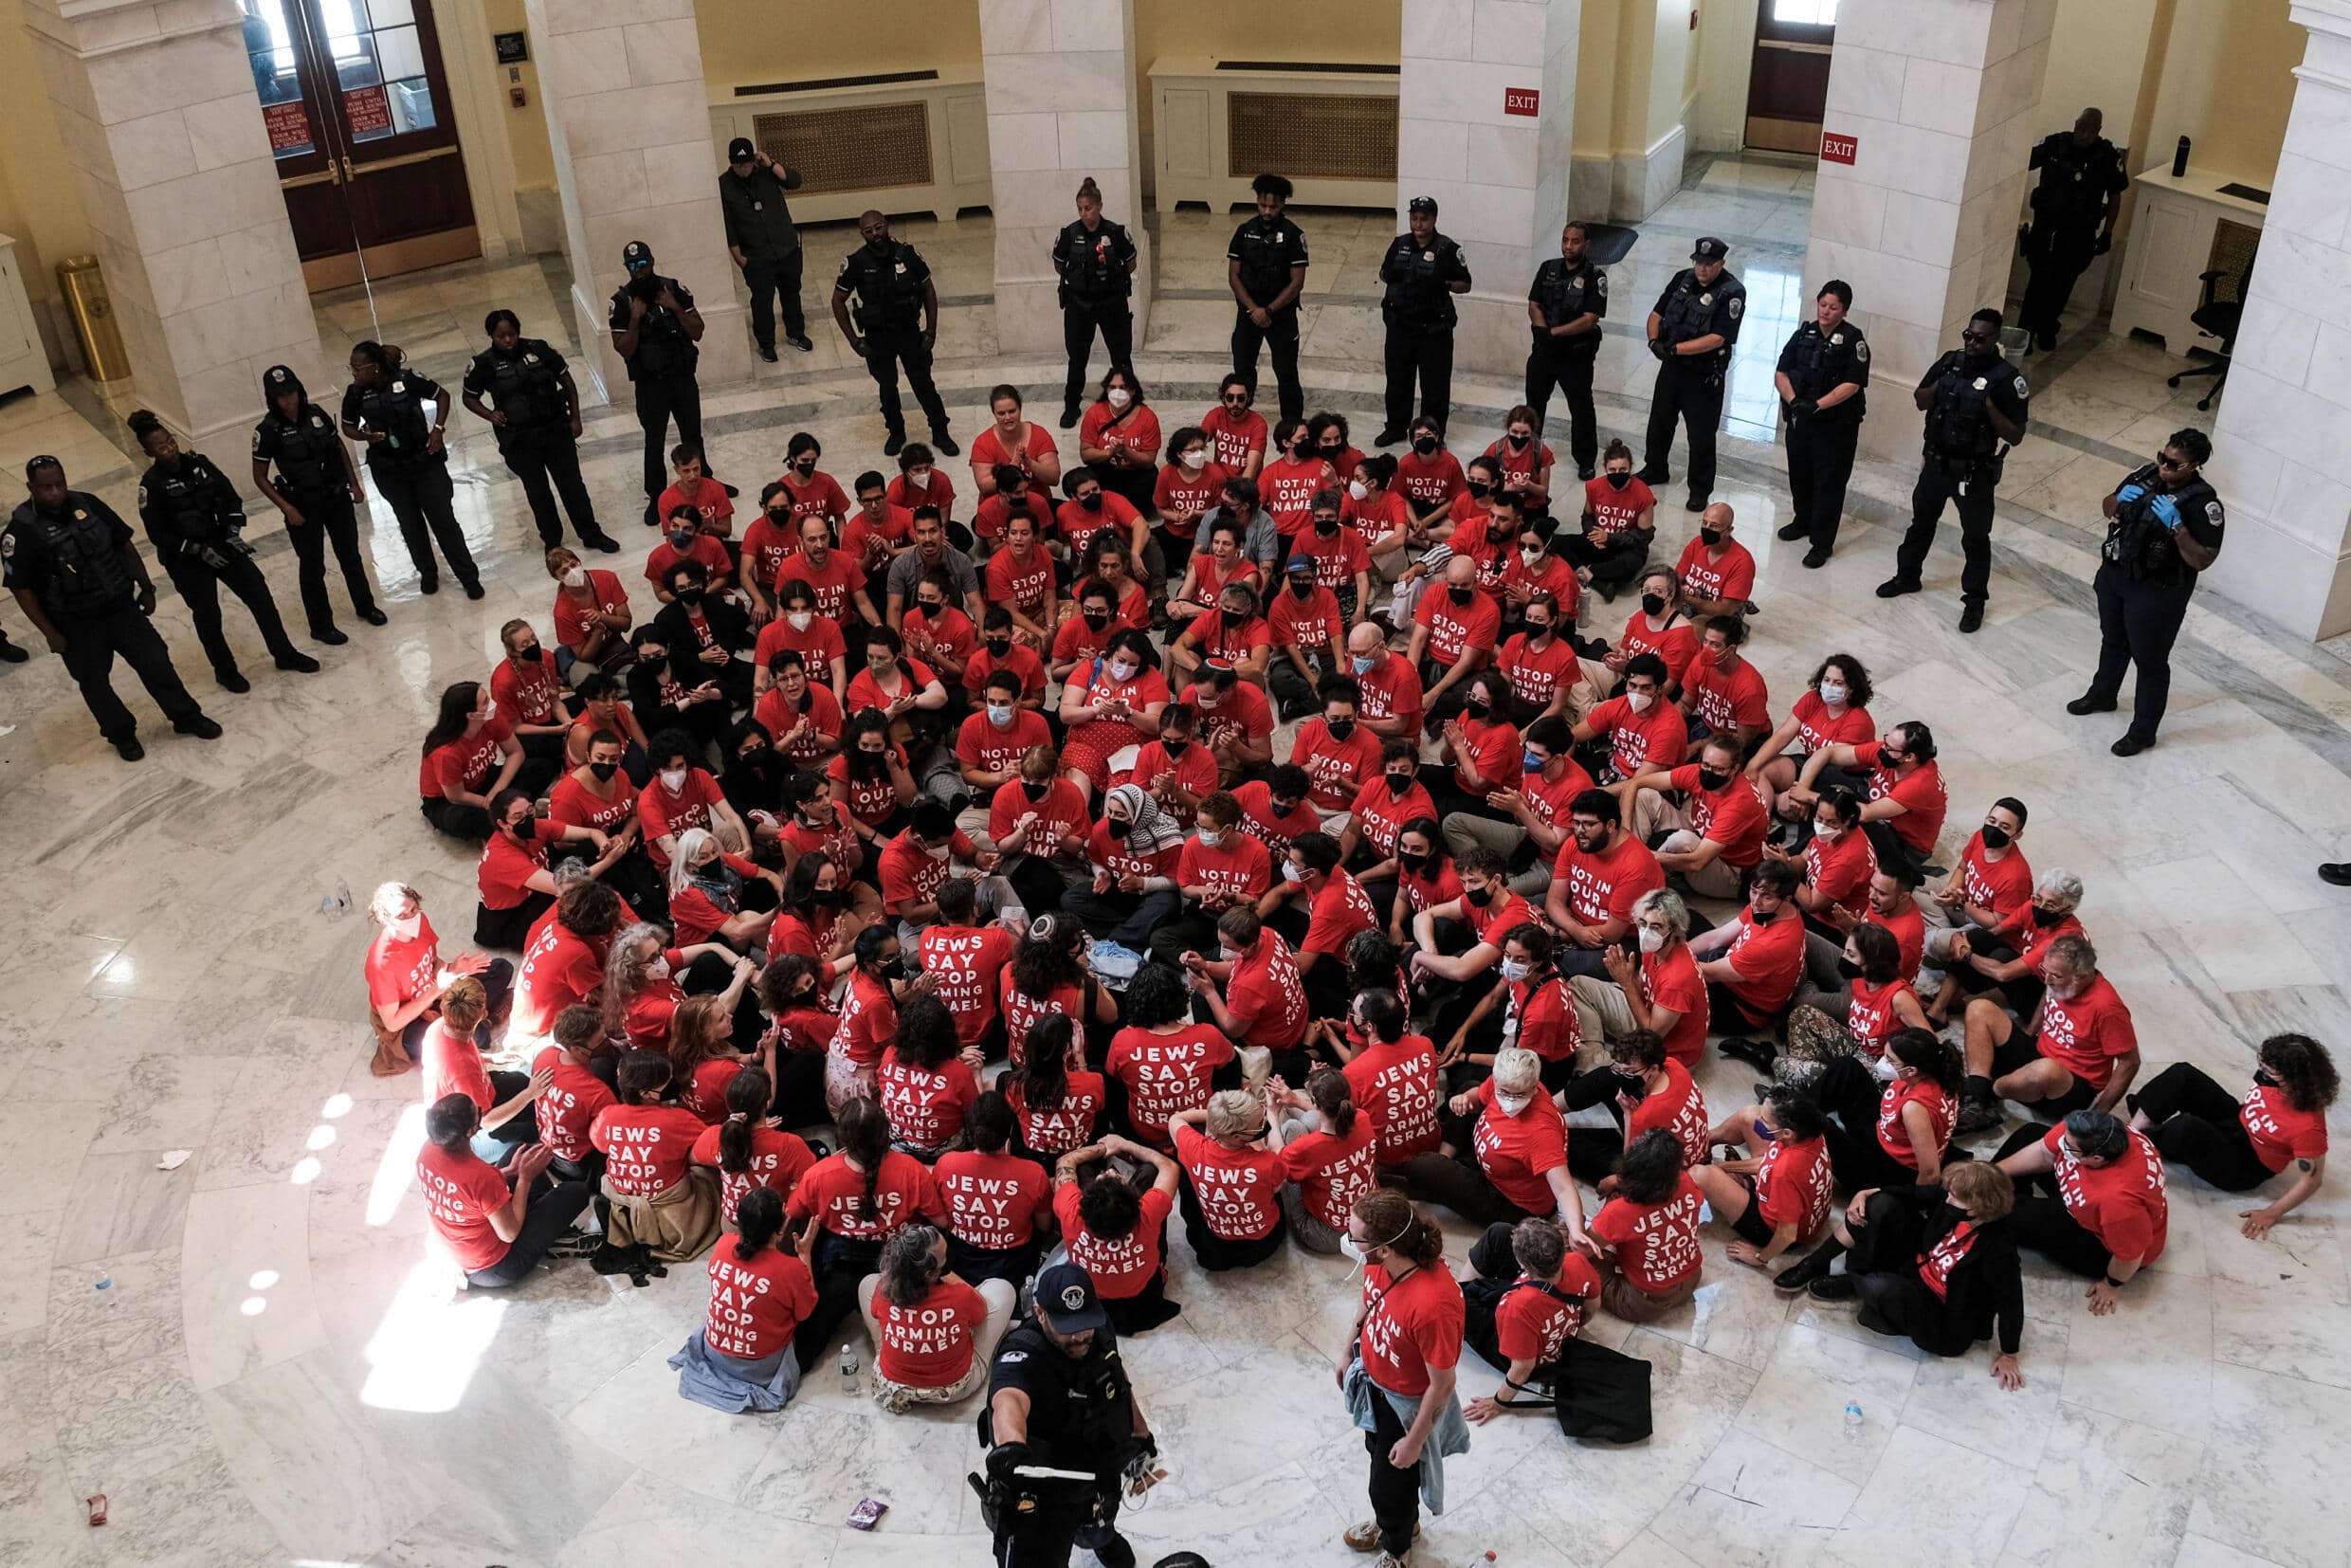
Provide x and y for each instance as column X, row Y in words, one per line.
column 69, row 560
column 407, row 452
column 1563, row 311
column 1059, row 1398
column 316, row 490
column 1823, row 380
column 2073, row 211
column 2164, row 525
column 1691, row 330
column 655, row 327
column 196, row 524
column 1423, row 270
column 897, row 323
column 535, row 408
column 1266, row 268
column 760, row 237
column 1976, row 405
column 1096, row 260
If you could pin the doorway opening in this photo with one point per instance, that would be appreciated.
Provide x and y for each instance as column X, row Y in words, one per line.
column 1788, row 89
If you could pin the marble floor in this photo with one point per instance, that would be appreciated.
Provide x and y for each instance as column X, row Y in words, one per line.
column 252, row 1357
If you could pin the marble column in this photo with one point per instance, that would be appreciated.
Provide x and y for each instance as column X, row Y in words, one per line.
column 1060, row 105
column 1939, row 95
column 2282, row 442
column 630, row 122
column 1472, row 71
column 156, row 109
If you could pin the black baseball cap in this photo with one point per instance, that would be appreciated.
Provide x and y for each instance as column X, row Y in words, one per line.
column 1065, row 1294
column 1709, row 249
column 1422, row 204
column 636, row 253
column 740, row 150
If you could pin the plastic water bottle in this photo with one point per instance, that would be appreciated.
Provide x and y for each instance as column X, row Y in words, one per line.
column 335, row 906
column 1852, row 1421
column 849, row 1368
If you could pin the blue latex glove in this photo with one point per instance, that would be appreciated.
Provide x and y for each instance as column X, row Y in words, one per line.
column 2129, row 493
column 2166, row 509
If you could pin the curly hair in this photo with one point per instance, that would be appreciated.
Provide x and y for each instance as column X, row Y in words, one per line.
column 2302, row 1069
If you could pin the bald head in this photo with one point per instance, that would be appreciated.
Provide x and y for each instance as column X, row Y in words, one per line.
column 1460, row 571
column 1717, row 516
column 1366, row 641
column 2086, row 128
column 873, row 227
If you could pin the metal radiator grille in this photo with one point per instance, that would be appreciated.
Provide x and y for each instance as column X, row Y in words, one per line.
column 866, row 148
column 1309, row 135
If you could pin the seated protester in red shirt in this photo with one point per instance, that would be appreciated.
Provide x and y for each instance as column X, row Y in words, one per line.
column 704, row 633
column 1534, row 1004
column 798, row 629
column 916, row 864
column 925, row 1080
column 1649, row 1231
column 835, row 575
column 1236, row 432
column 496, row 1223
column 1039, row 823
column 1013, row 439
column 1505, row 1154
column 2238, row 1145
column 2004, row 964
column 1233, row 635
column 1187, row 488
column 1323, row 906
column 1380, row 514
column 450, row 1054
column 1541, row 568
column 1328, row 438
column 2079, row 1048
column 1903, row 786
column 1781, row 1196
column 1891, row 904
column 703, row 1058
column 1119, row 439
column 1481, row 750
column 1455, row 630
column 681, row 795
column 801, row 717
column 845, row 1210
column 1527, row 1295
column 1722, row 692
column 1661, row 625
column 1000, row 733
column 1392, row 701
column 1425, row 876
column 529, row 692
column 1938, row 1263
column 1114, row 1231
column 1049, row 975
column 1162, row 1062
column 761, row 1295
column 1237, row 721
column 965, row 960
column 1991, row 891
column 878, row 532
column 1854, row 1019
column 1620, row 524
column 934, row 1334
column 1178, row 769
column 766, row 546
column 1718, row 574
column 1837, row 861
column 643, row 982
column 1754, row 962
column 1084, row 637
column 813, row 492
column 747, row 1148
column 515, row 886
column 992, row 523
column 1834, row 709
column 1253, row 988
column 870, row 779
column 660, row 1200
column 898, row 687
column 715, row 896
column 580, row 1064
column 999, row 1196
column 1642, row 1088
column 405, row 978
column 598, row 793
column 1108, row 560
column 1134, row 853
column 1524, row 462
column 1637, row 731
column 694, row 489
column 1484, row 527
column 922, row 482
column 1407, row 1341
column 2089, row 1198
column 1277, row 808
column 1525, row 819
column 1309, row 630
column 793, row 990
column 1292, row 477
column 1661, row 992
column 1539, row 661
column 1000, row 649
column 1219, row 867
column 1601, row 871
column 1394, row 1076
column 1021, row 581
column 1110, row 702
column 1455, row 962
column 470, row 755
column 1712, row 836
column 1217, row 563
column 686, row 539
column 1091, row 510
column 1231, row 1196
column 591, row 614
column 1056, row 1107
column 1328, row 1147
column 1335, row 553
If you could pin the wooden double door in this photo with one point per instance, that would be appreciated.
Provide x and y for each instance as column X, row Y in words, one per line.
column 356, row 104
column 1788, row 91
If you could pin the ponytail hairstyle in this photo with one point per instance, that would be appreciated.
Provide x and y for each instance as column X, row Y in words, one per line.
column 757, row 1218
column 909, row 1269
column 1392, row 1222
column 1934, row 1056
column 747, row 1100
column 1328, row 1089
column 866, row 1139
column 1045, row 1065
column 988, row 1124
column 384, row 356
column 457, row 702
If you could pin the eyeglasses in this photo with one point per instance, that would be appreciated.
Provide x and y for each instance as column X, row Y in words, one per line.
column 1974, row 337
column 2170, row 464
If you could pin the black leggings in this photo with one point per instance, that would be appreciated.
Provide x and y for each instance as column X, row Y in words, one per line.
column 1460, row 1184
column 1884, row 1266
column 1593, row 1152
column 2193, row 1121
column 1396, row 1494
column 1216, row 1253
column 840, row 1264
column 2042, row 1221
column 553, row 1207
column 1850, row 1094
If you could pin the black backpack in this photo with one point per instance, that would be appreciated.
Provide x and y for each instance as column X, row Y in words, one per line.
column 1599, row 1393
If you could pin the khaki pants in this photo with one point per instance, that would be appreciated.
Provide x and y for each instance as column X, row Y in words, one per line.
column 1602, row 1010
column 1465, row 831
column 1717, row 879
column 1620, row 1296
column 1000, row 1297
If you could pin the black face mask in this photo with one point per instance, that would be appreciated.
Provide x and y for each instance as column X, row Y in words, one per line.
column 1036, row 790
column 1996, row 836
column 1399, row 785
column 1479, row 895
column 525, row 828
column 1331, row 454
column 1711, row 535
column 1521, row 440
column 1461, row 595
column 527, row 654
column 1097, row 618
column 2042, row 917
column 604, row 771
column 1710, row 781
column 894, row 970
column 1092, row 502
column 780, row 519
column 830, row 898
column 1477, row 707
column 1479, row 487
column 1234, row 617
column 1537, row 630
column 755, row 757
column 871, row 762
column 1119, row 830
column 1302, row 590
column 1424, row 444
column 1175, row 748
column 2265, row 1078
column 1633, row 1080
column 688, row 594
column 930, row 608
column 1652, row 604
column 1847, row 969
column 1339, row 728
column 805, row 467
column 1411, row 861
column 999, row 646
column 1326, row 527
column 1617, row 481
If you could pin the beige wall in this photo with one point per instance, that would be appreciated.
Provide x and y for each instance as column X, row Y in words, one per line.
column 526, row 127
column 2228, row 85
column 39, row 202
column 1335, row 32
column 1671, row 53
column 1637, row 65
column 748, row 40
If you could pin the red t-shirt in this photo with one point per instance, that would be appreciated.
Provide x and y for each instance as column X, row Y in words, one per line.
column 399, row 972
column 1605, row 886
column 868, row 1020
column 989, row 450
column 648, row 1149
column 1794, row 1185
column 2278, row 1131
column 1017, row 660
column 818, row 646
column 662, row 814
column 2086, row 1035
column 2003, row 885
column 1734, row 816
column 1237, row 864
column 1312, row 623
column 1021, row 1012
column 1870, row 1016
column 453, row 1065
column 1706, row 577
column 872, row 799
column 818, row 494
column 1018, row 586
column 2122, row 1204
column 832, row 583
column 1062, row 813
column 1287, row 490
column 1920, row 792
column 873, row 541
column 911, row 874
column 1377, row 516
column 1336, row 770
column 755, row 1307
column 1768, row 957
column 1673, row 981
column 1456, row 628
column 1259, row 821
column 1817, row 728
column 1332, row 1172
column 1426, row 891
column 1640, row 743
column 507, row 868
column 1515, row 1151
column 1430, row 481
column 929, row 1344
column 466, row 763
column 778, row 1160
column 1223, row 645
column 1894, row 1133
column 532, row 696
column 1380, row 813
column 925, row 1105
column 1122, row 1268
column 705, row 549
column 1543, row 1019
column 833, row 1195
column 1413, row 1326
column 938, row 491
column 1395, row 1085
column 865, row 692
column 964, row 964
column 1176, row 491
column 1391, row 689
column 462, row 1192
column 1113, row 855
column 1195, row 770
column 569, row 1107
column 1531, row 1324
column 1840, row 872
column 1554, row 576
column 1936, row 1267
column 1233, row 438
column 1535, row 677
column 993, row 1201
column 1054, row 1130
column 1138, row 431
column 1239, row 1190
column 1340, row 910
column 1166, row 1073
column 1266, row 989
column 1679, row 1108
column 570, row 615
column 1496, row 751
column 1336, row 560
column 980, row 744
column 1078, row 525
column 1656, row 1243
column 1609, row 512
column 1729, row 700
column 573, row 804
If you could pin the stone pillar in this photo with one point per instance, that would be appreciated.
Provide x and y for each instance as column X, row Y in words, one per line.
column 2281, row 443
column 630, row 122
column 1060, row 105
column 1939, row 95
column 1486, row 126
column 156, row 109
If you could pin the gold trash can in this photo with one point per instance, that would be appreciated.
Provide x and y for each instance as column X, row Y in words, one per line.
column 84, row 287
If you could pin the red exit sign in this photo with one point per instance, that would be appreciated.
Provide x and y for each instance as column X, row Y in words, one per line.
column 1838, row 149
column 1521, row 100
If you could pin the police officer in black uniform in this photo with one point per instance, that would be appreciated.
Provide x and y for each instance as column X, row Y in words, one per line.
column 1059, row 1398
column 196, row 523
column 1563, row 312
column 760, row 237
column 1976, row 405
column 407, row 452
column 2073, row 211
column 897, row 323
column 535, row 408
column 1096, row 260
column 1423, row 270
column 1266, row 268
column 69, row 560
column 2164, row 524
column 316, row 489
column 655, row 327
column 1824, row 380
column 1691, row 330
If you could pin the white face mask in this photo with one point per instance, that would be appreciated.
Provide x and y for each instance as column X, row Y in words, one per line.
column 406, row 929
column 1118, row 397
column 1827, row 833
column 489, row 710
column 938, row 851
column 673, row 780
column 1290, row 872
column 1651, row 941
column 1532, row 558
column 575, row 577
column 1356, row 1250
column 1832, row 692
column 1193, row 461
column 1209, row 837
column 1359, row 490
column 658, row 968
column 917, row 479
column 1512, row 1104
column 800, row 619
column 1514, row 969
column 1124, row 669
column 1639, row 701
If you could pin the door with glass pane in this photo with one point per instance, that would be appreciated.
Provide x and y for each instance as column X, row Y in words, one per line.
column 357, row 109
column 1788, row 90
